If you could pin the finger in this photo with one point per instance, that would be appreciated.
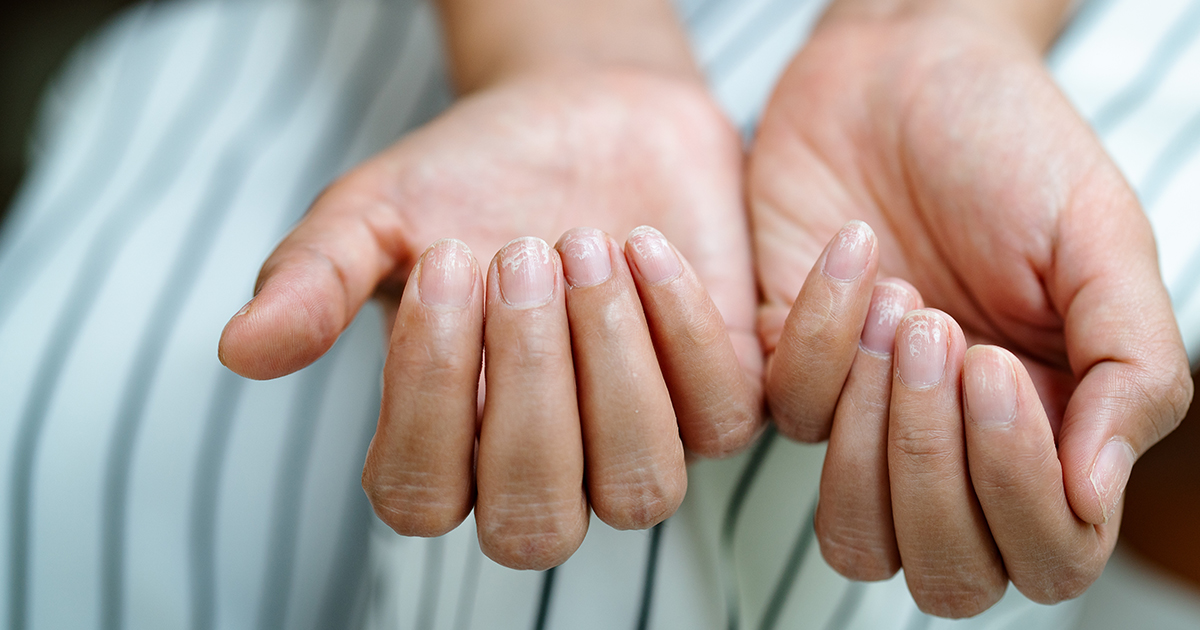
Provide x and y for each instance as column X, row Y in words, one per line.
column 313, row 284
column 419, row 473
column 951, row 564
column 531, row 511
column 820, row 337
column 635, row 464
column 1123, row 344
column 854, row 513
column 718, row 406
column 1050, row 554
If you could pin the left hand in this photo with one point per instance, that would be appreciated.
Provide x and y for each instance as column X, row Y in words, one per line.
column 595, row 386
column 992, row 196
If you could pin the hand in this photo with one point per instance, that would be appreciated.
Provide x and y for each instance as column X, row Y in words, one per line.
column 995, row 200
column 534, row 155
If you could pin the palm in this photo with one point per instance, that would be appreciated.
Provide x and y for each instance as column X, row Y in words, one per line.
column 612, row 151
column 961, row 155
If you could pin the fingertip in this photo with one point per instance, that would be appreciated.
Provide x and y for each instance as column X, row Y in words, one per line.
column 989, row 388
column 537, row 543
column 527, row 272
column 447, row 275
column 1118, row 411
column 891, row 300
column 1110, row 475
column 850, row 253
column 652, row 256
column 923, row 341
column 586, row 256
column 644, row 502
column 269, row 338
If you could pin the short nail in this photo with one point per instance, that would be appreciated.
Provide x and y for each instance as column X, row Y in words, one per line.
column 653, row 256
column 447, row 274
column 1110, row 473
column 526, row 273
column 849, row 251
column 889, row 303
column 921, row 350
column 585, row 257
column 991, row 392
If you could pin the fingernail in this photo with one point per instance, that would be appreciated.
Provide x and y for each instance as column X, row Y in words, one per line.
column 526, row 273
column 1110, row 473
column 447, row 274
column 585, row 257
column 921, row 350
column 242, row 311
column 889, row 303
column 991, row 391
column 849, row 251
column 653, row 256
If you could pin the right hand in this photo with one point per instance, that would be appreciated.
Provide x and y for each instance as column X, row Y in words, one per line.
column 535, row 155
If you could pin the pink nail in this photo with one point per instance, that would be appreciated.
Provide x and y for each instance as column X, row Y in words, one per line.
column 921, row 349
column 447, row 274
column 526, row 273
column 849, row 251
column 653, row 256
column 991, row 391
column 889, row 303
column 1110, row 473
column 585, row 257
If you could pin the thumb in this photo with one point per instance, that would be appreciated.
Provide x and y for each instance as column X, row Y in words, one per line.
column 1124, row 347
column 316, row 280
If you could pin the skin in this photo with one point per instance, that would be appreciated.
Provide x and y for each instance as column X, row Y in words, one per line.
column 616, row 378
column 937, row 124
column 932, row 121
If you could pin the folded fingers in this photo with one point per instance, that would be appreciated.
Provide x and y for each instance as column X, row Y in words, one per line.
column 592, row 353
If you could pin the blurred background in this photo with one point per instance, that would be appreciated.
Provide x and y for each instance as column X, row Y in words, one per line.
column 35, row 39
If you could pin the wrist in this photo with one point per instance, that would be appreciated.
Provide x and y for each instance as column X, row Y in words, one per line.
column 1035, row 22
column 491, row 41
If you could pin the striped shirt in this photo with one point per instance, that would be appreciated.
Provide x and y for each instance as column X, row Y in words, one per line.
column 145, row 486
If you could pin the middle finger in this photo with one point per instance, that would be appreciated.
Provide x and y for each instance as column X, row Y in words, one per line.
column 531, row 511
column 951, row 563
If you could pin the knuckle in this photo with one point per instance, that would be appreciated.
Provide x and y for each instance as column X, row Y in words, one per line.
column 1063, row 577
column 808, row 430
column 856, row 553
column 929, row 447
column 538, row 350
column 413, row 503
column 1013, row 476
column 1167, row 395
column 720, row 430
column 1176, row 392
column 642, row 500
column 956, row 599
column 797, row 418
column 531, row 536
